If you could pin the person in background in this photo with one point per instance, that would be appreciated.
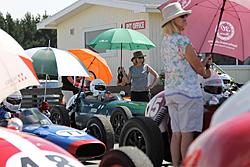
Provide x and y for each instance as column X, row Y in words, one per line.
column 71, row 83
column 139, row 79
column 182, row 89
column 121, row 77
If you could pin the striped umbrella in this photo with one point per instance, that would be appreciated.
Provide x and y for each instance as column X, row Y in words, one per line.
column 56, row 62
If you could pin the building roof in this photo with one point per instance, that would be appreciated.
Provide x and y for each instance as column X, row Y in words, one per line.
column 148, row 2
column 80, row 5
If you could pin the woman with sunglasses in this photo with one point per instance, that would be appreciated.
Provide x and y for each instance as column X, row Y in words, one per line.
column 138, row 76
column 182, row 89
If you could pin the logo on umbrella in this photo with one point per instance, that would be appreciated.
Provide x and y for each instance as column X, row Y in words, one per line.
column 184, row 3
column 226, row 31
column 21, row 77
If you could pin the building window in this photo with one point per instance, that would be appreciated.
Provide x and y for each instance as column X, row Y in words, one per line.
column 90, row 35
column 72, row 31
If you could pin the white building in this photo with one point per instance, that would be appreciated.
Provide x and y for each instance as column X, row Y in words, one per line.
column 79, row 23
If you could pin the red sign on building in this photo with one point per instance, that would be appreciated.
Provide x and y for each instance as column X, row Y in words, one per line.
column 135, row 25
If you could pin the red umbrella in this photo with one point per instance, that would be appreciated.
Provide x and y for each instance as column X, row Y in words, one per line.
column 229, row 19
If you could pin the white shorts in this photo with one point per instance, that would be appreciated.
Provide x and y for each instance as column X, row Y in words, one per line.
column 186, row 113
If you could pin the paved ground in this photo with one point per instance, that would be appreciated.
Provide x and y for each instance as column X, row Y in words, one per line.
column 95, row 163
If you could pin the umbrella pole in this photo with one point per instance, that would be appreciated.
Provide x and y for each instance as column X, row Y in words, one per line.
column 121, row 54
column 77, row 99
column 217, row 28
column 45, row 87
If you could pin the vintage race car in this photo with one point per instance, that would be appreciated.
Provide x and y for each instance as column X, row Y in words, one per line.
column 80, row 109
column 79, row 143
column 228, row 137
column 226, row 144
column 22, row 150
column 152, row 133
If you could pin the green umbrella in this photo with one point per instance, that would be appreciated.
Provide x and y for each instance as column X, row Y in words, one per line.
column 122, row 39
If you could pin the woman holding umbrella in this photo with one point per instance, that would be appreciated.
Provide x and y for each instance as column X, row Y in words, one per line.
column 182, row 89
column 138, row 76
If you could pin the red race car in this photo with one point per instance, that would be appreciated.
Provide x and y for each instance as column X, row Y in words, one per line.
column 23, row 150
column 227, row 140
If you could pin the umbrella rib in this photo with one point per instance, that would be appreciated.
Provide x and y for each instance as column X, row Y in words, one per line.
column 209, row 27
column 243, row 47
column 91, row 62
column 130, row 46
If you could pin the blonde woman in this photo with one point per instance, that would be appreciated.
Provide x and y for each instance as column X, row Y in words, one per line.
column 182, row 89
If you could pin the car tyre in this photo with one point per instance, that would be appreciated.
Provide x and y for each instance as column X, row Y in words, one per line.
column 100, row 127
column 118, row 118
column 126, row 156
column 143, row 133
column 59, row 115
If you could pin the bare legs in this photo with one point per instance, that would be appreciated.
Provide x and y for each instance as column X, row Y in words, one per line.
column 179, row 145
column 175, row 148
column 187, row 139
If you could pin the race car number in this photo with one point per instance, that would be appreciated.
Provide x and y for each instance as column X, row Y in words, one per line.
column 54, row 160
column 70, row 132
column 154, row 107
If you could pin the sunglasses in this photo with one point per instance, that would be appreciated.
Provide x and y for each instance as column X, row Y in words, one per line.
column 184, row 16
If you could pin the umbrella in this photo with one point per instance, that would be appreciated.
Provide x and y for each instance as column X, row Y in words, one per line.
column 56, row 62
column 219, row 26
column 94, row 63
column 122, row 39
column 16, row 68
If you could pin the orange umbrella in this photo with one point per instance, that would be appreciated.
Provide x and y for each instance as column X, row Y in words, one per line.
column 94, row 63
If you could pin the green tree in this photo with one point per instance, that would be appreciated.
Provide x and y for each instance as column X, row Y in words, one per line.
column 24, row 30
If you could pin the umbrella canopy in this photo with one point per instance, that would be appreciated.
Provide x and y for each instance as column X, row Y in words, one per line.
column 16, row 68
column 56, row 62
column 122, row 39
column 229, row 19
column 94, row 63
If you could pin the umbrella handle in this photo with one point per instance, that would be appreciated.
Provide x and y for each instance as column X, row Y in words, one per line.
column 45, row 87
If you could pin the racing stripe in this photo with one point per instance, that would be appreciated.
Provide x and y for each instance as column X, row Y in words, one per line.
column 26, row 147
column 7, row 150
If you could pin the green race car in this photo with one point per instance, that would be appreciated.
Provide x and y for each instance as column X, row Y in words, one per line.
column 81, row 107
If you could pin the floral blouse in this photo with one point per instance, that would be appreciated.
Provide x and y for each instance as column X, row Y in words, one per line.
column 180, row 78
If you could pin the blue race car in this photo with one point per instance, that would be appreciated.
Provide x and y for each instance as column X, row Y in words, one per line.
column 79, row 143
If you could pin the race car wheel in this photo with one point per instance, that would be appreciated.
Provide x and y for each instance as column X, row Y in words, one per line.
column 100, row 127
column 143, row 133
column 59, row 115
column 118, row 118
column 124, row 157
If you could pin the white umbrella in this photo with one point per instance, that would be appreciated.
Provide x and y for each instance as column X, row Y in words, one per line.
column 56, row 62
column 16, row 68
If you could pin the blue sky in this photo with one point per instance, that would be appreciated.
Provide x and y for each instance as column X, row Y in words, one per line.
column 18, row 8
